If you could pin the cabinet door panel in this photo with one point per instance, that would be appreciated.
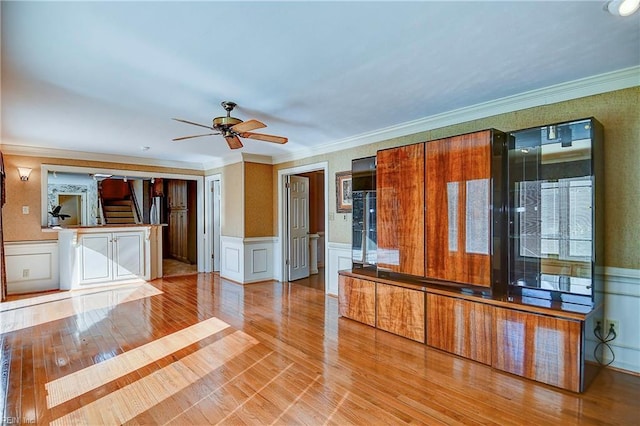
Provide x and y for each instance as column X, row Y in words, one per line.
column 458, row 212
column 356, row 299
column 128, row 255
column 177, row 194
column 538, row 347
column 400, row 209
column 95, row 258
column 178, row 230
column 400, row 311
column 459, row 326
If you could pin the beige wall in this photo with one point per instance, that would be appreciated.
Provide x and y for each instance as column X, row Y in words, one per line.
column 15, row 225
column 20, row 227
column 232, row 221
column 617, row 111
column 258, row 200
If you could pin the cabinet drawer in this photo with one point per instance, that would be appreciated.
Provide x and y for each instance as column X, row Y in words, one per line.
column 400, row 311
column 357, row 299
column 538, row 347
column 459, row 326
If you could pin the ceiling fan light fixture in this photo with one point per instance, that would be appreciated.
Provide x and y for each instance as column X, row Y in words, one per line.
column 231, row 128
column 623, row 7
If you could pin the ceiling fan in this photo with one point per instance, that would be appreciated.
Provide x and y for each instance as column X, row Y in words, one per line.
column 232, row 129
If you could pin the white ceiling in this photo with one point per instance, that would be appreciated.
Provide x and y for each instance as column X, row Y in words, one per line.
column 108, row 77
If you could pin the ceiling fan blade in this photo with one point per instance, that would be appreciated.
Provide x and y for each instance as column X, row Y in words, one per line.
column 263, row 137
column 248, row 125
column 233, row 141
column 191, row 122
column 194, row 136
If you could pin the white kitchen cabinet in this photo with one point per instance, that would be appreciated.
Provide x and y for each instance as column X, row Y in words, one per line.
column 94, row 256
column 111, row 256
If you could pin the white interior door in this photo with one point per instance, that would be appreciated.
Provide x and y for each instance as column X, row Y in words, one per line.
column 215, row 247
column 298, row 229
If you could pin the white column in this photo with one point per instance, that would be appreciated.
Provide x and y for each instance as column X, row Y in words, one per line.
column 313, row 253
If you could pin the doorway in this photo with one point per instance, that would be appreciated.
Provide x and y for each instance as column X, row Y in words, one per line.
column 317, row 176
column 179, row 210
column 213, row 222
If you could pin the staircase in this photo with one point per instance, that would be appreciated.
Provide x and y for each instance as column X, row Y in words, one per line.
column 118, row 212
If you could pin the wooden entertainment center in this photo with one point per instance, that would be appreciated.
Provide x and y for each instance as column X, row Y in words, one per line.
column 488, row 246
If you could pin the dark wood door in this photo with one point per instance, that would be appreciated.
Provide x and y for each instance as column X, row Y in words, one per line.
column 458, row 212
column 178, row 234
column 400, row 209
column 177, row 194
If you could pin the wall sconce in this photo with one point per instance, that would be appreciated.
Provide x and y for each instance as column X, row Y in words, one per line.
column 24, row 173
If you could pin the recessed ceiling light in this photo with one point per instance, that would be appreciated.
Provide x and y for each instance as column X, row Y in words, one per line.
column 623, row 7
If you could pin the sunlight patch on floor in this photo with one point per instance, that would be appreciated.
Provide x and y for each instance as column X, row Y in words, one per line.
column 132, row 400
column 52, row 308
column 38, row 299
column 94, row 376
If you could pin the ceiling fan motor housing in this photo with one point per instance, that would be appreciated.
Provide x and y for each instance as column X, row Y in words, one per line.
column 225, row 122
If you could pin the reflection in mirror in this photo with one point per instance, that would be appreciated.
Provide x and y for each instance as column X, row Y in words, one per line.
column 551, row 208
column 76, row 194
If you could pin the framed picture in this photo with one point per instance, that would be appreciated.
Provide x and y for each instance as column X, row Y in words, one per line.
column 344, row 200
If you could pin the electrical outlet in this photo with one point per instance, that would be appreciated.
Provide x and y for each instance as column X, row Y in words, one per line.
column 25, row 273
column 600, row 321
column 25, row 209
column 611, row 322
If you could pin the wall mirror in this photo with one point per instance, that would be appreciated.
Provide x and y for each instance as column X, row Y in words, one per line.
column 76, row 194
column 74, row 187
column 77, row 199
column 72, row 193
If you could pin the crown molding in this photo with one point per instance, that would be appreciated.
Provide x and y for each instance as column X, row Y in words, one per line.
column 236, row 157
column 602, row 83
column 256, row 158
column 222, row 162
column 32, row 151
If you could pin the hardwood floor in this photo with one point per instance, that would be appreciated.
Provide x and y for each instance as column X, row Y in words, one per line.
column 174, row 267
column 198, row 350
column 313, row 280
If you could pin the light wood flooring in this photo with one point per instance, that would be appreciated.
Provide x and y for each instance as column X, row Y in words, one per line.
column 173, row 267
column 197, row 349
column 313, row 281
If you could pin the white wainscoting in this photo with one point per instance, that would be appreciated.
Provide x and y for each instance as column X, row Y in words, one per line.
column 622, row 304
column 339, row 258
column 31, row 266
column 321, row 244
column 258, row 259
column 247, row 260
